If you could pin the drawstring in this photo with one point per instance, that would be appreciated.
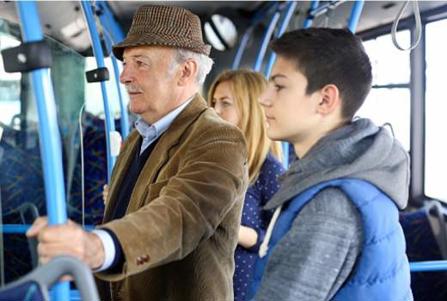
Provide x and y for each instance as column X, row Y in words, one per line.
column 263, row 249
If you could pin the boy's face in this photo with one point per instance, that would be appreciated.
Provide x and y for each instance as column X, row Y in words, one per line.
column 291, row 114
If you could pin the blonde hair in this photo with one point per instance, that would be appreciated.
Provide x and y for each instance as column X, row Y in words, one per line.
column 247, row 86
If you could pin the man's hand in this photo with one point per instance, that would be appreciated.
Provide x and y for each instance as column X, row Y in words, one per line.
column 69, row 239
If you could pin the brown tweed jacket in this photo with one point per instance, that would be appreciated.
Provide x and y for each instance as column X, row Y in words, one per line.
column 181, row 226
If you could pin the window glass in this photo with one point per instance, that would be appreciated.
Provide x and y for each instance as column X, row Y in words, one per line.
column 436, row 108
column 389, row 65
column 225, row 28
column 389, row 104
column 9, row 82
column 93, row 95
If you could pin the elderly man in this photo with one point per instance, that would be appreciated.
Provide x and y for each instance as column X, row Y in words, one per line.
column 174, row 206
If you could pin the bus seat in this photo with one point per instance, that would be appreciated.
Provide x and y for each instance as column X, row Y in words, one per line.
column 21, row 183
column 95, row 171
column 22, row 169
column 28, row 212
column 35, row 285
column 422, row 245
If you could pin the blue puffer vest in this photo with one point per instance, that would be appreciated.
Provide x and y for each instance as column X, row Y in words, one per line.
column 382, row 272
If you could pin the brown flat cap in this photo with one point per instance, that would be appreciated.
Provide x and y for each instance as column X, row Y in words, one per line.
column 171, row 26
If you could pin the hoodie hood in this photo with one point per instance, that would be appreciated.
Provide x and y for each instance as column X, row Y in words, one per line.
column 358, row 150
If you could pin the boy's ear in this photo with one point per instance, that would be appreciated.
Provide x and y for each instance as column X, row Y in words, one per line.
column 329, row 99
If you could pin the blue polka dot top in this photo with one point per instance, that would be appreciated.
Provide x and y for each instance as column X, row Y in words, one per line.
column 253, row 216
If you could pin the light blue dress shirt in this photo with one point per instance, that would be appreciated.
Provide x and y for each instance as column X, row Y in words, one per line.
column 150, row 133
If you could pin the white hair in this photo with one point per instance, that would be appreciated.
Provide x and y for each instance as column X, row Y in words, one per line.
column 204, row 62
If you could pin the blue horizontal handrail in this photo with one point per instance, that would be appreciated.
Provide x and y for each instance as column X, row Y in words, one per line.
column 22, row 228
column 309, row 19
column 428, row 266
column 75, row 295
column 316, row 10
column 258, row 17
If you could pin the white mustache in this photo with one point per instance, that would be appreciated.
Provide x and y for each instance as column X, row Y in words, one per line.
column 132, row 89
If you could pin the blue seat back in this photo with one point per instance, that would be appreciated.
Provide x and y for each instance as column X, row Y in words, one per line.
column 422, row 246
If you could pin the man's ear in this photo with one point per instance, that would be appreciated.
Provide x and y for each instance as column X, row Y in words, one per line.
column 188, row 72
column 329, row 99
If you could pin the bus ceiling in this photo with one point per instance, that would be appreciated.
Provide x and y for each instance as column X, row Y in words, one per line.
column 69, row 27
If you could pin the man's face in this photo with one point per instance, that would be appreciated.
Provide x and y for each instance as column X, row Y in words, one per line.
column 148, row 80
column 290, row 113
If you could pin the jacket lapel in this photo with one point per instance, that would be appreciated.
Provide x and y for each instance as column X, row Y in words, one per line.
column 160, row 154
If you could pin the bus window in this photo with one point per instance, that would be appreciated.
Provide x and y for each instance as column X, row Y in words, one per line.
column 93, row 95
column 21, row 182
column 436, row 108
column 72, row 92
column 389, row 99
column 9, row 82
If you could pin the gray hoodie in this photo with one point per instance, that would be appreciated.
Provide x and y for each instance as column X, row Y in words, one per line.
column 317, row 255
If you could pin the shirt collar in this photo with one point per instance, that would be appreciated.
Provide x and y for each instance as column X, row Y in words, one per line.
column 155, row 130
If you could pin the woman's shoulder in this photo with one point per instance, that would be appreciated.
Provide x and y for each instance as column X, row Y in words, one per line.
column 268, row 176
column 272, row 166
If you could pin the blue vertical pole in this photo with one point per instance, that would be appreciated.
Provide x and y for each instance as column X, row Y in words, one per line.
column 259, row 15
column 108, row 20
column 291, row 6
column 258, row 64
column 242, row 45
column 307, row 24
column 265, row 40
column 50, row 144
column 97, row 50
column 285, row 154
column 310, row 19
column 114, row 35
column 355, row 15
column 124, row 120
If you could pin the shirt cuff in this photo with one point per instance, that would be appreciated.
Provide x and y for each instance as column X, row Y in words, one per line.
column 109, row 249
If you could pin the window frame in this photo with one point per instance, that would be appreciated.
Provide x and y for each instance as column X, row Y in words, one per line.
column 418, row 81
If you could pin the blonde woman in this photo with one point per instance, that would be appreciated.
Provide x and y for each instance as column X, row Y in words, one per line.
column 234, row 95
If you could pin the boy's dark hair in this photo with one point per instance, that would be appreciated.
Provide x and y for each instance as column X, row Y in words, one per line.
column 329, row 56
